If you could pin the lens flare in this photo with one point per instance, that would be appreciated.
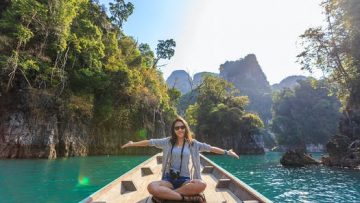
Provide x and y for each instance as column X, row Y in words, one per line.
column 82, row 181
column 142, row 133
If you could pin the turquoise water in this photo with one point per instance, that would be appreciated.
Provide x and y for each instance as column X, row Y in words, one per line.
column 307, row 184
column 61, row 180
column 73, row 179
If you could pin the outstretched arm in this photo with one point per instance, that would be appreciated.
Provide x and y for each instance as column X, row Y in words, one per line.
column 142, row 143
column 230, row 152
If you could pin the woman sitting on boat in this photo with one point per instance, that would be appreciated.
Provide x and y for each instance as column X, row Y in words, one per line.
column 176, row 183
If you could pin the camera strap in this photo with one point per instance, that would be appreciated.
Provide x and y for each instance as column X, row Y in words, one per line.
column 182, row 150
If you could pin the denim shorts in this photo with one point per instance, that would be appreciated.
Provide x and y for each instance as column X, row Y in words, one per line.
column 176, row 182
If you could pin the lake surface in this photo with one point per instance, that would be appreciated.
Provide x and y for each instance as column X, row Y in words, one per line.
column 60, row 180
column 73, row 179
column 306, row 184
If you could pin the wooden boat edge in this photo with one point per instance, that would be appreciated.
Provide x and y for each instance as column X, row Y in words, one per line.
column 239, row 183
column 108, row 186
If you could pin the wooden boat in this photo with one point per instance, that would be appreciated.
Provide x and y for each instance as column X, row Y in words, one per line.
column 132, row 186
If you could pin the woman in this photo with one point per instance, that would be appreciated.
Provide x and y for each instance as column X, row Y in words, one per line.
column 176, row 183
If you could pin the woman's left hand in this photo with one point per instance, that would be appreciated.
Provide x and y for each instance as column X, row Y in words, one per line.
column 233, row 154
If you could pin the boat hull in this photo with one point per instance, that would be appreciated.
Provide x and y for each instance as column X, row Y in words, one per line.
column 132, row 186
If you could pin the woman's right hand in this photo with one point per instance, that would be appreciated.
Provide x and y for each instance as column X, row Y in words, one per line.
column 127, row 144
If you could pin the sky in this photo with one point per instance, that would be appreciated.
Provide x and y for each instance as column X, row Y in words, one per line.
column 210, row 32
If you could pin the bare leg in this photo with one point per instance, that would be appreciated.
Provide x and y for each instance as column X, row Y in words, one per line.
column 164, row 190
column 193, row 187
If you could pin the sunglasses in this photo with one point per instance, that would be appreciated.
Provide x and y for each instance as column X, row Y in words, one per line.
column 182, row 127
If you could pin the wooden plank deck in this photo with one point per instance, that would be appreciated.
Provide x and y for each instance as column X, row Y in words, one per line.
column 132, row 186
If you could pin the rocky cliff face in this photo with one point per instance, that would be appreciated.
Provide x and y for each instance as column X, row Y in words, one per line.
column 249, row 145
column 35, row 124
column 247, row 76
column 198, row 77
column 180, row 80
column 344, row 148
column 32, row 125
column 107, row 140
column 239, row 143
column 288, row 82
column 297, row 158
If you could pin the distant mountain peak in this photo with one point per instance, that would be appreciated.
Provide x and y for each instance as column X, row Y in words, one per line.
column 247, row 76
column 246, row 68
column 289, row 82
column 179, row 72
column 180, row 80
column 251, row 58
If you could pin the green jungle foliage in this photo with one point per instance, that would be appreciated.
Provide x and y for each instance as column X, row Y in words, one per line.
column 186, row 100
column 218, row 112
column 334, row 49
column 308, row 114
column 247, row 76
column 73, row 50
column 190, row 98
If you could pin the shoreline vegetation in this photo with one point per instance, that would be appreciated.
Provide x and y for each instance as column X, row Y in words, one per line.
column 72, row 83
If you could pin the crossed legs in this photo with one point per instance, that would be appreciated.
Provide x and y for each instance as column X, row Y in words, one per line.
column 165, row 190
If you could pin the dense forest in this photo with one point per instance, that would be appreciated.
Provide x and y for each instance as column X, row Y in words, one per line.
column 73, row 83
column 247, row 76
column 334, row 50
column 71, row 61
column 219, row 117
column 306, row 114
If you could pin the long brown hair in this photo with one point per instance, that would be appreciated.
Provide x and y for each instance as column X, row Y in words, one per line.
column 188, row 133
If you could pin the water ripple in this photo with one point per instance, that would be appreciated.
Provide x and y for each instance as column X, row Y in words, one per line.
column 306, row 184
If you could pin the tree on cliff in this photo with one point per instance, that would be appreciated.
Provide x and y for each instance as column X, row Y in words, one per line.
column 120, row 11
column 307, row 114
column 164, row 50
column 334, row 49
column 219, row 116
column 72, row 50
column 247, row 76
